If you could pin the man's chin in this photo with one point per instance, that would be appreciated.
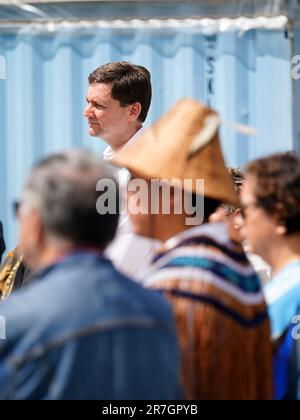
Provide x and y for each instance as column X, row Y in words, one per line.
column 93, row 133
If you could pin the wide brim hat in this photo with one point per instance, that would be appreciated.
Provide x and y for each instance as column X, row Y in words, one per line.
column 184, row 145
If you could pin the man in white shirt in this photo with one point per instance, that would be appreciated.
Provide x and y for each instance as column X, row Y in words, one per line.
column 118, row 101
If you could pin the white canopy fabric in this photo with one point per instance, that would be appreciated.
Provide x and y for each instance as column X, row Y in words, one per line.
column 253, row 6
column 207, row 16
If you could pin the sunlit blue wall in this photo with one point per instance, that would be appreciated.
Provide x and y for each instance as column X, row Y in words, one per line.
column 245, row 77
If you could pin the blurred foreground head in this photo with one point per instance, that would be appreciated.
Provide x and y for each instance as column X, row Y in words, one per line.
column 271, row 204
column 58, row 211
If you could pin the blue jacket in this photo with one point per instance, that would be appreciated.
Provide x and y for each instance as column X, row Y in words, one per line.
column 84, row 331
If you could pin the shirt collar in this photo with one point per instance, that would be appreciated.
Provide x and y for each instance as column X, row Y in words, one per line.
column 108, row 153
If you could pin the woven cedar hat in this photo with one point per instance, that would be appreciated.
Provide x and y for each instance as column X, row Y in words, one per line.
column 183, row 144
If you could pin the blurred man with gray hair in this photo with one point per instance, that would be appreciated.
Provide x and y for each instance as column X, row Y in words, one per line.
column 81, row 330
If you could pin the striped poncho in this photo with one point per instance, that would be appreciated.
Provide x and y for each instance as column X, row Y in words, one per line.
column 222, row 322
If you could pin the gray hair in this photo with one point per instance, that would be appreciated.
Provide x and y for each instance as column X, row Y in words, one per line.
column 238, row 178
column 63, row 189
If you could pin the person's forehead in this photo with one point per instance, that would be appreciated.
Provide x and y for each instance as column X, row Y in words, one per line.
column 99, row 91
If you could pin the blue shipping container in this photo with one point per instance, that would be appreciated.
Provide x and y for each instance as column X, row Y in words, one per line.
column 246, row 76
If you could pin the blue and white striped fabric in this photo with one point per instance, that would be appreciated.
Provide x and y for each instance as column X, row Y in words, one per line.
column 220, row 313
column 205, row 254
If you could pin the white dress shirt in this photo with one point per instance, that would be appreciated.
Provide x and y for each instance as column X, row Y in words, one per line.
column 130, row 253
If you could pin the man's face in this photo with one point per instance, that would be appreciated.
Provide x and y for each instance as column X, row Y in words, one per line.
column 259, row 227
column 107, row 119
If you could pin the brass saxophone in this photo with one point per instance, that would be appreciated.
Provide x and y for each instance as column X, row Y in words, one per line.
column 8, row 271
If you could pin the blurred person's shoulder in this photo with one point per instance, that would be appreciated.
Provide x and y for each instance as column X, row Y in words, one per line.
column 283, row 297
column 79, row 279
column 69, row 298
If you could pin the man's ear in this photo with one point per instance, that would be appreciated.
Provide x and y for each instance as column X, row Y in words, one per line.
column 281, row 229
column 238, row 212
column 135, row 111
column 238, row 219
column 38, row 227
column 32, row 236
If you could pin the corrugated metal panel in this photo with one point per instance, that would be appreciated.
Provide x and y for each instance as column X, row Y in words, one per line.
column 247, row 78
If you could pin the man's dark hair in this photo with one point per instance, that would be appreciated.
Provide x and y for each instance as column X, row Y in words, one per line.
column 129, row 84
column 63, row 189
